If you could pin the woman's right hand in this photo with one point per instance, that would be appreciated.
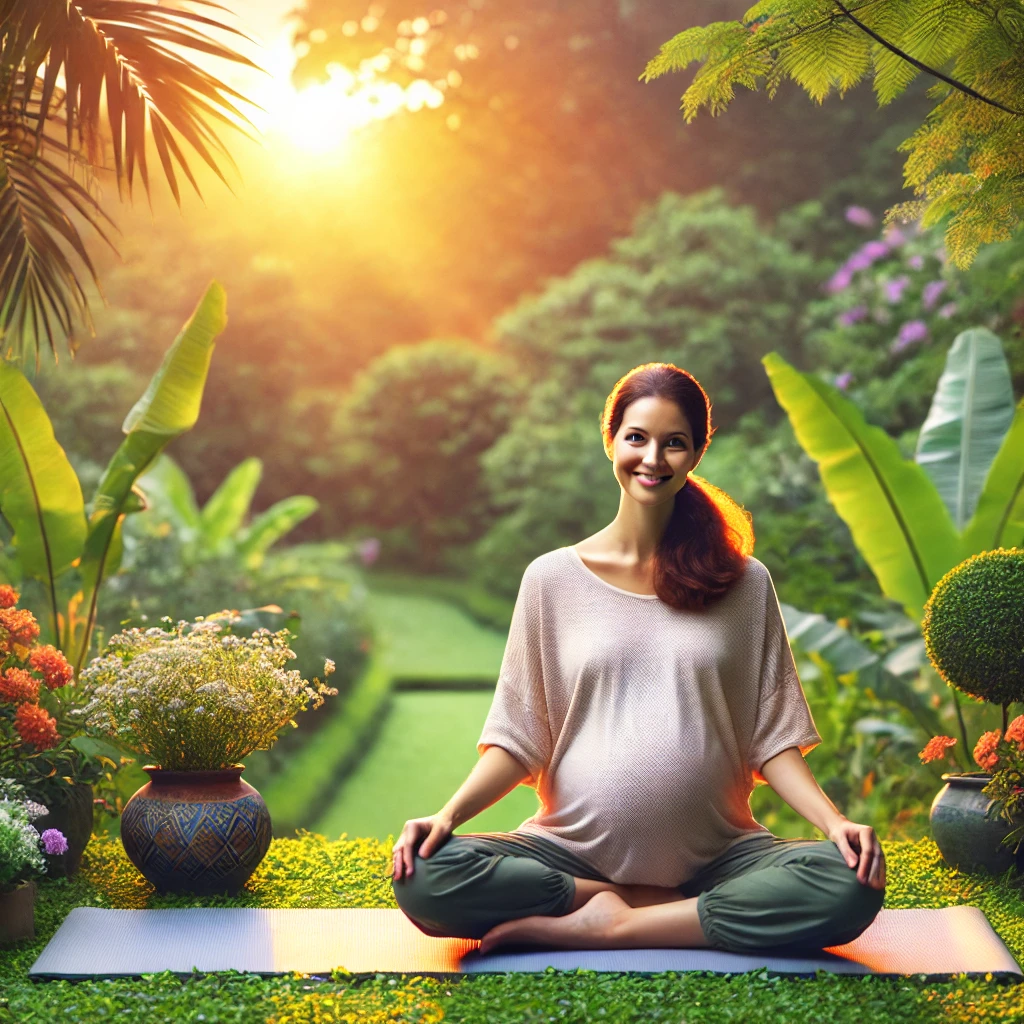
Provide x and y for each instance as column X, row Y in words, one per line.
column 437, row 828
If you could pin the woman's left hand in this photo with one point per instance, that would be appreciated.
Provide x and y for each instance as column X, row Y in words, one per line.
column 862, row 850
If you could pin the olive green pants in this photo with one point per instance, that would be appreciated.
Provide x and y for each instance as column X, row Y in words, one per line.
column 765, row 894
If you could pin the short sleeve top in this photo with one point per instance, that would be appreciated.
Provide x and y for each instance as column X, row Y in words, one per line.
column 643, row 726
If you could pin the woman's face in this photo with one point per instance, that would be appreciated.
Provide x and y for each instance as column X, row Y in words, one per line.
column 654, row 439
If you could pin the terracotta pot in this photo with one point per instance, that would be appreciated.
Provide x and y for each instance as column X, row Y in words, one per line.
column 17, row 914
column 966, row 838
column 72, row 816
column 201, row 832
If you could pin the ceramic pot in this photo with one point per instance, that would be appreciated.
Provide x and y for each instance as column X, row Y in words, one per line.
column 966, row 838
column 17, row 914
column 201, row 832
column 72, row 816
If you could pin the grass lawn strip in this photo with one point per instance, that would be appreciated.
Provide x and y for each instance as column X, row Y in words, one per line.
column 310, row 871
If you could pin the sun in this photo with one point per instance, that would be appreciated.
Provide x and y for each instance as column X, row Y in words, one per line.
column 322, row 118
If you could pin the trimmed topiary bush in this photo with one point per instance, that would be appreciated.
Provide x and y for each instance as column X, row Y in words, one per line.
column 973, row 626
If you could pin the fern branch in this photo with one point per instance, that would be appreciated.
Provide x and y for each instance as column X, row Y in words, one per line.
column 924, row 67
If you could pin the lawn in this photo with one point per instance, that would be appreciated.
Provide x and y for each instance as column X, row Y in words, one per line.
column 310, row 871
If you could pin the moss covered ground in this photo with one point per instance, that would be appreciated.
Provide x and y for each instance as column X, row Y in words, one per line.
column 311, row 871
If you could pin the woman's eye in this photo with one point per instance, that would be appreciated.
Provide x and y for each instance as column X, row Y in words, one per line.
column 641, row 436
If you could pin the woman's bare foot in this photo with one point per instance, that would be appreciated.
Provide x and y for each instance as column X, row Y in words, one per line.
column 590, row 927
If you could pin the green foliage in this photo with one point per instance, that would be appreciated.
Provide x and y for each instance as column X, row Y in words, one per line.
column 408, row 439
column 899, row 520
column 973, row 623
column 219, row 528
column 965, row 160
column 56, row 539
column 894, row 306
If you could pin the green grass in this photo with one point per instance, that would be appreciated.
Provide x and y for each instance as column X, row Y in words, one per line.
column 428, row 638
column 425, row 750
column 312, row 872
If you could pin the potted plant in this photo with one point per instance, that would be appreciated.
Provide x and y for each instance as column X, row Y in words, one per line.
column 973, row 623
column 194, row 699
column 22, row 856
column 41, row 740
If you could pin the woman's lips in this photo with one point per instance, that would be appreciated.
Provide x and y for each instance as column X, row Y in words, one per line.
column 651, row 483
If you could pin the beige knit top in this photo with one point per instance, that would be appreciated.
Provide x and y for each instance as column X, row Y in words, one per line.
column 644, row 726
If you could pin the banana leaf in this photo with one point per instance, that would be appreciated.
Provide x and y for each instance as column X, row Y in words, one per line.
column 169, row 407
column 225, row 511
column 896, row 517
column 811, row 631
column 40, row 495
column 270, row 526
column 998, row 521
column 971, row 411
column 169, row 492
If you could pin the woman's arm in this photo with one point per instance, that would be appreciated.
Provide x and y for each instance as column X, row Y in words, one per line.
column 495, row 773
column 790, row 776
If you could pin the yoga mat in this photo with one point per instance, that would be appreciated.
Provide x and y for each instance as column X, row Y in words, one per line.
column 93, row 942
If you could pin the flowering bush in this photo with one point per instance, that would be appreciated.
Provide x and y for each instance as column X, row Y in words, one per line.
column 22, row 848
column 192, row 697
column 972, row 624
column 38, row 726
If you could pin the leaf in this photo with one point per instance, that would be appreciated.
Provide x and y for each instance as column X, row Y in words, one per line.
column 897, row 518
column 998, row 521
column 812, row 632
column 169, row 407
column 225, row 511
column 971, row 411
column 40, row 495
column 271, row 525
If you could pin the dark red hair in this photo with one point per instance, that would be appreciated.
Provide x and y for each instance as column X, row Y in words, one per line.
column 704, row 548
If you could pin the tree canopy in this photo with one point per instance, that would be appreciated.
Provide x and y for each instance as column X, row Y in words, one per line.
column 965, row 162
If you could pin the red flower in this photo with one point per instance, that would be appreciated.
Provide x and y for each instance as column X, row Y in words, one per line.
column 35, row 725
column 985, row 749
column 18, row 687
column 17, row 626
column 935, row 748
column 8, row 596
column 52, row 663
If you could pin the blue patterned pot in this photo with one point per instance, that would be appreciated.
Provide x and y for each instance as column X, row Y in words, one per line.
column 201, row 832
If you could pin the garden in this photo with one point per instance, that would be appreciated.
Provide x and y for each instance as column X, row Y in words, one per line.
column 308, row 316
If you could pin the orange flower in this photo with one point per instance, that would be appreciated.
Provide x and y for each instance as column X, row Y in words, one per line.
column 1015, row 731
column 8, row 596
column 36, row 726
column 18, row 686
column 935, row 748
column 985, row 749
column 17, row 626
column 54, row 666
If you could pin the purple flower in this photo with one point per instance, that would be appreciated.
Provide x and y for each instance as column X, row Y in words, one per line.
column 860, row 215
column 843, row 380
column 53, row 841
column 911, row 331
column 851, row 316
column 840, row 279
column 915, row 262
column 369, row 549
column 930, row 293
column 894, row 289
column 894, row 236
column 947, row 310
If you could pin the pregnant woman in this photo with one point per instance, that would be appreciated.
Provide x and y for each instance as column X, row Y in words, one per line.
column 647, row 686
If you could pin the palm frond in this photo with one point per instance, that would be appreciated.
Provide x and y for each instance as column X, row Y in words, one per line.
column 128, row 46
column 39, row 288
